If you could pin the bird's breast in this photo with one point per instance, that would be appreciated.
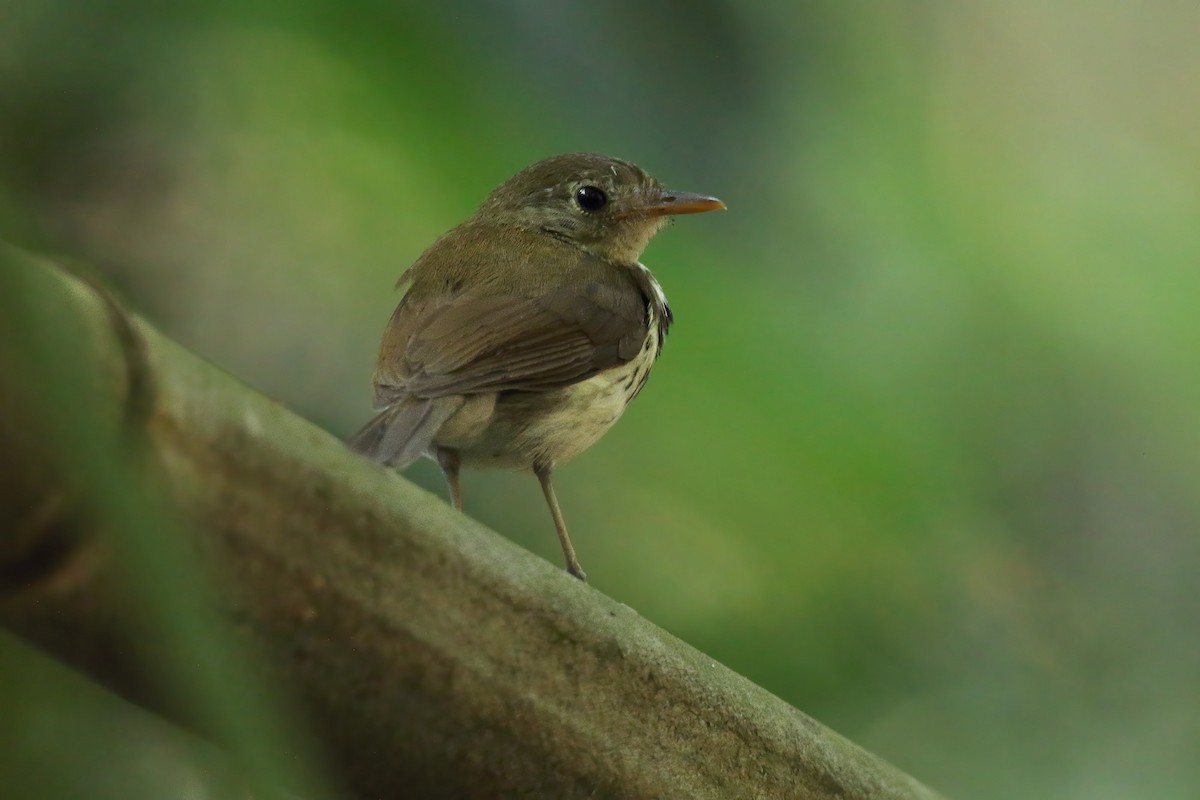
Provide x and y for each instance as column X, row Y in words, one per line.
column 531, row 428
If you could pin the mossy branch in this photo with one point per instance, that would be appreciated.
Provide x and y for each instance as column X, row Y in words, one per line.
column 431, row 656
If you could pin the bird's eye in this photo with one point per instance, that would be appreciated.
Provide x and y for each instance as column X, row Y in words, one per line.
column 590, row 198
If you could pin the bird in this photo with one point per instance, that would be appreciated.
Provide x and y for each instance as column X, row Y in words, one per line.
column 524, row 332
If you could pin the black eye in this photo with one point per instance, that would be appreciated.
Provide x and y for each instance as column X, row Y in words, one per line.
column 590, row 198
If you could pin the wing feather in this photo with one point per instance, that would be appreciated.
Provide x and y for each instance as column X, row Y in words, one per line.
column 451, row 343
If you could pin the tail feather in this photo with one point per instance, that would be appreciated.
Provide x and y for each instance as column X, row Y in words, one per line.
column 399, row 435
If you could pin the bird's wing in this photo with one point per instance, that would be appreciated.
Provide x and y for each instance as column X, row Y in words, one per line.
column 463, row 344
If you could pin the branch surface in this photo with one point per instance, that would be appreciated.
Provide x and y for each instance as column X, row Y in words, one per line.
column 433, row 657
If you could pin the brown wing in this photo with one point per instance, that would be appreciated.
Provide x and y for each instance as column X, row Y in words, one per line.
column 463, row 344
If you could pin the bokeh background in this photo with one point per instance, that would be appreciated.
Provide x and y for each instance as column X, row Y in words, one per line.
column 921, row 454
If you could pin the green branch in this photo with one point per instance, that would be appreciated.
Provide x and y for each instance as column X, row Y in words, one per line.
column 430, row 656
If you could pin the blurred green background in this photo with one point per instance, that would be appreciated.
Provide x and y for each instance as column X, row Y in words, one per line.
column 921, row 453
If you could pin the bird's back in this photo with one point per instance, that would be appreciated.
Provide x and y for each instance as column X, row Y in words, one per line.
column 529, row 352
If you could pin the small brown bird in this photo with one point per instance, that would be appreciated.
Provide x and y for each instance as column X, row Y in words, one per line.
column 527, row 330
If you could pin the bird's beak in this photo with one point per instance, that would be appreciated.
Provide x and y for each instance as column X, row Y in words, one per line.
column 679, row 203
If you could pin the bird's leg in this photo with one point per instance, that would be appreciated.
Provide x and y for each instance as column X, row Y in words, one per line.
column 543, row 475
column 448, row 460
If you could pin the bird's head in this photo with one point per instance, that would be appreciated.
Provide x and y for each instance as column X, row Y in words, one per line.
column 608, row 207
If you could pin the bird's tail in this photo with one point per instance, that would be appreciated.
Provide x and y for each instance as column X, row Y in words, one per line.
column 399, row 435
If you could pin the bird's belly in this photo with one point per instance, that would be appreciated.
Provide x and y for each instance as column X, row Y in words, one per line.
column 548, row 428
